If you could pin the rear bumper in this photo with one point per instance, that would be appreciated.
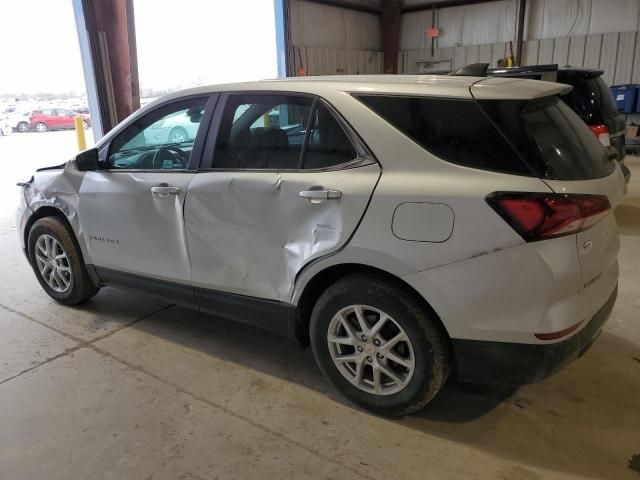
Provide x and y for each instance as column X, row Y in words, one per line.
column 506, row 363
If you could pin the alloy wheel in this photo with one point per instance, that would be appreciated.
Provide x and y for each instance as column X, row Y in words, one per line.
column 371, row 350
column 53, row 263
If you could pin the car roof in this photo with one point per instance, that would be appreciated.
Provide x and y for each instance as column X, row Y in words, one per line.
column 428, row 85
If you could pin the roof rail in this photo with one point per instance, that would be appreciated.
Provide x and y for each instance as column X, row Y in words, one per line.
column 472, row 70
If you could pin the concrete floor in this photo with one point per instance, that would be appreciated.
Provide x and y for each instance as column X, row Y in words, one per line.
column 127, row 387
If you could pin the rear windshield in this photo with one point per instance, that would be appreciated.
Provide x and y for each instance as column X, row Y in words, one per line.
column 542, row 138
column 591, row 99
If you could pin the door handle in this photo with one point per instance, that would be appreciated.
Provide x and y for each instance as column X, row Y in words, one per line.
column 318, row 196
column 163, row 191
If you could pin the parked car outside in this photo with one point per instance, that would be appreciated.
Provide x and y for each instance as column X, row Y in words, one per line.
column 19, row 121
column 590, row 98
column 46, row 119
column 425, row 226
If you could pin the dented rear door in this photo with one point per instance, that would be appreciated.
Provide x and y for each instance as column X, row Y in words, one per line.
column 250, row 232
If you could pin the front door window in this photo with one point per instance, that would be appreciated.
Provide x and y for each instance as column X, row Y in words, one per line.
column 160, row 140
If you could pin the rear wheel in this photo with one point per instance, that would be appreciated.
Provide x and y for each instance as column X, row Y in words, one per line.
column 378, row 346
column 85, row 124
column 23, row 127
column 41, row 127
column 57, row 262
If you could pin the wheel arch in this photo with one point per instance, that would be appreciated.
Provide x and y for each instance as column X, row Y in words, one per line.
column 43, row 212
column 328, row 276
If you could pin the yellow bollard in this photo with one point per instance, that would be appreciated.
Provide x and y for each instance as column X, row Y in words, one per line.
column 82, row 141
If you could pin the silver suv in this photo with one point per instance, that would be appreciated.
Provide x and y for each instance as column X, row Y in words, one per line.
column 406, row 227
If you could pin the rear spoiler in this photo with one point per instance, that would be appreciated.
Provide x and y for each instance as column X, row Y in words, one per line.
column 505, row 88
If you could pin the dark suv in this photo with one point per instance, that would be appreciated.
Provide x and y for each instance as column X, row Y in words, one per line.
column 590, row 98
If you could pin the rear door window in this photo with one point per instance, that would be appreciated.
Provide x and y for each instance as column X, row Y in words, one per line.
column 262, row 132
column 328, row 144
column 280, row 132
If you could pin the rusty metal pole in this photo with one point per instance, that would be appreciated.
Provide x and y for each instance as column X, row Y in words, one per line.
column 522, row 8
column 390, row 26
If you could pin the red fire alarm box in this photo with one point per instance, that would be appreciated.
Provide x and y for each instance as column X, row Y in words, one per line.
column 433, row 32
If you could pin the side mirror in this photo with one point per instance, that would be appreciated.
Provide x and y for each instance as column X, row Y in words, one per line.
column 87, row 160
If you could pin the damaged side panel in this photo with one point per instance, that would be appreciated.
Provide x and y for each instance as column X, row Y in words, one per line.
column 58, row 188
column 251, row 232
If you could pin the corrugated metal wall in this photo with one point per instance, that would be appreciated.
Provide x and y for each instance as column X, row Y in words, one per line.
column 495, row 22
column 332, row 61
column 618, row 54
column 329, row 40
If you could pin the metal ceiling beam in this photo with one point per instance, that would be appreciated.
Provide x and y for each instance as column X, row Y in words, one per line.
column 348, row 6
column 440, row 4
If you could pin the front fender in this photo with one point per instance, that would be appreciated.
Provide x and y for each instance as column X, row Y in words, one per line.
column 56, row 189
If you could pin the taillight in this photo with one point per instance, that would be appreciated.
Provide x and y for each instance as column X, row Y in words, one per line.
column 539, row 216
column 602, row 134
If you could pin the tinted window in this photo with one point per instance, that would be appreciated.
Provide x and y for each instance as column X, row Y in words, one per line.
column 328, row 143
column 162, row 139
column 591, row 99
column 544, row 137
column 551, row 138
column 262, row 132
column 454, row 130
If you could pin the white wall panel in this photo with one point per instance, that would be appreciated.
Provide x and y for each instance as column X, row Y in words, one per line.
column 557, row 18
column 530, row 52
column 624, row 59
column 316, row 25
column 561, row 51
column 592, row 51
column 450, row 21
column 473, row 54
column 577, row 47
column 329, row 40
column 545, row 51
column 459, row 57
column 333, row 61
column 635, row 70
column 414, row 27
column 608, row 56
column 485, row 54
column 614, row 16
column 493, row 22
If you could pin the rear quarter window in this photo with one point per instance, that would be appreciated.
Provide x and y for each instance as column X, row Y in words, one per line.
column 542, row 138
column 455, row 130
column 551, row 138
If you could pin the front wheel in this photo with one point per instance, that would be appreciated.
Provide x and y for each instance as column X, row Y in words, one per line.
column 41, row 127
column 378, row 346
column 178, row 135
column 57, row 262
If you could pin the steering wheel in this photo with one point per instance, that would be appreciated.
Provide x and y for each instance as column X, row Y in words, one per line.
column 169, row 153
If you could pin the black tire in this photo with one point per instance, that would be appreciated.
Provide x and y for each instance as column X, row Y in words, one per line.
column 81, row 287
column 178, row 135
column 431, row 346
column 85, row 125
column 22, row 127
column 42, row 127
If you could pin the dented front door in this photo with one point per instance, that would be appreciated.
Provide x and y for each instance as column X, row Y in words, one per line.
column 250, row 232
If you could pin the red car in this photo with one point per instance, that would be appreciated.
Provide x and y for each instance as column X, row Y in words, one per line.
column 46, row 119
